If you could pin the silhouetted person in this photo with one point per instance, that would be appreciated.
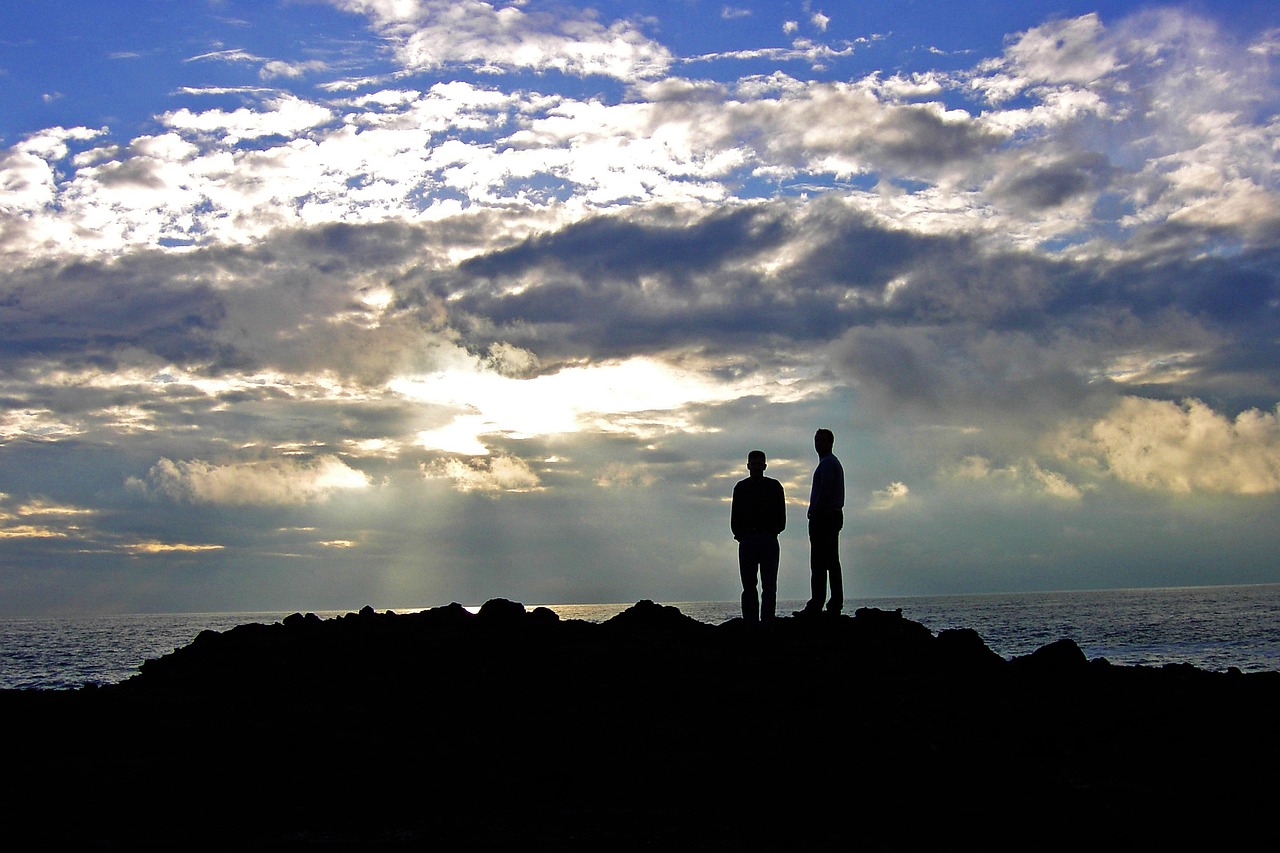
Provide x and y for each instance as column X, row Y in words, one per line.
column 826, row 517
column 759, row 514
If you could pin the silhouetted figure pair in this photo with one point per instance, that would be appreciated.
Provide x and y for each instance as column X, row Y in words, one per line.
column 759, row 514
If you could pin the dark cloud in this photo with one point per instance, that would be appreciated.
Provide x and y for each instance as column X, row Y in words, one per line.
column 289, row 303
column 135, row 172
column 851, row 124
column 932, row 308
column 1040, row 186
column 84, row 311
column 663, row 242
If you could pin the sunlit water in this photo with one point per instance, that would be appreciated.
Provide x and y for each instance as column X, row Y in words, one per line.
column 1209, row 627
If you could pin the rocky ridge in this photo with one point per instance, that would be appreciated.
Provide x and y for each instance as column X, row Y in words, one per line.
column 452, row 730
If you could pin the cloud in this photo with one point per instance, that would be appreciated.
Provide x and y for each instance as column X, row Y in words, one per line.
column 278, row 483
column 28, row 181
column 1165, row 83
column 895, row 494
column 844, row 129
column 645, row 397
column 291, row 70
column 620, row 475
column 167, row 548
column 39, row 518
column 497, row 474
column 1200, row 172
column 590, row 298
column 282, row 116
column 430, row 34
column 29, row 531
column 228, row 55
column 1074, row 50
column 1181, row 447
column 1022, row 476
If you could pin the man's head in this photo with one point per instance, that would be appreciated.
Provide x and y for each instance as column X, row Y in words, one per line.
column 823, row 441
column 756, row 462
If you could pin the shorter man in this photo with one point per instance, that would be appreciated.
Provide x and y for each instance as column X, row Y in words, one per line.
column 759, row 514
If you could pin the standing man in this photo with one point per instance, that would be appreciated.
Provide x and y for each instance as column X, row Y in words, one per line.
column 826, row 517
column 759, row 514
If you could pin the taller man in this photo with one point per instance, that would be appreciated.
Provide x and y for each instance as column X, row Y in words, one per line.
column 826, row 517
column 758, row 515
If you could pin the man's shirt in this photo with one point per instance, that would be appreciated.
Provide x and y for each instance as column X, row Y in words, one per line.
column 827, row 494
column 759, row 508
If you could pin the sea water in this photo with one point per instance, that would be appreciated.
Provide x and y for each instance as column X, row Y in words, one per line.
column 1212, row 628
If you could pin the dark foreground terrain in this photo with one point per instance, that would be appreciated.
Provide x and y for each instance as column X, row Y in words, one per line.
column 444, row 730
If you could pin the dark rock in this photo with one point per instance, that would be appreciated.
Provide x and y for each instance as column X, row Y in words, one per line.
column 453, row 730
column 500, row 611
column 645, row 615
column 964, row 647
column 1061, row 657
column 543, row 616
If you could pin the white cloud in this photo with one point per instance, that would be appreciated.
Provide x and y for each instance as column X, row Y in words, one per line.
column 430, row 34
column 895, row 494
column 618, row 474
column 423, row 156
column 282, row 482
column 1072, row 51
column 486, row 475
column 229, row 55
column 292, row 70
column 917, row 85
column 150, row 547
column 1024, row 476
column 28, row 180
column 40, row 519
column 1181, row 447
column 36, row 425
column 283, row 116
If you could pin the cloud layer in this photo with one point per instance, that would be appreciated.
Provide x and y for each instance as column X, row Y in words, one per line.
column 501, row 305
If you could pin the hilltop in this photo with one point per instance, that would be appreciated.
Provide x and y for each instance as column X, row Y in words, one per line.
column 515, row 728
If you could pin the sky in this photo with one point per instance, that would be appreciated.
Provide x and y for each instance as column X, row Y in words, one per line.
column 312, row 304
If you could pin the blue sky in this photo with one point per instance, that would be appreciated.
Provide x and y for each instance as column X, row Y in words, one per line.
column 313, row 304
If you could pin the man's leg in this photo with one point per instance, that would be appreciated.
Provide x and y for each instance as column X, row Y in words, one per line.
column 769, row 580
column 831, row 549
column 748, row 558
column 836, row 604
column 817, row 568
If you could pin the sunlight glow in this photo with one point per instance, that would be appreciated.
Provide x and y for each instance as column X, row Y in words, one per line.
column 607, row 397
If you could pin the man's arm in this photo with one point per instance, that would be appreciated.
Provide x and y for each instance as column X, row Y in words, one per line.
column 735, row 513
column 779, row 509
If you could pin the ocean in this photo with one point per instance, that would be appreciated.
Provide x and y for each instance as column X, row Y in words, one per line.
column 1212, row 628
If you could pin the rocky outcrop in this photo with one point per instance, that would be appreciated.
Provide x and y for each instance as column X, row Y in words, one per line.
column 515, row 728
